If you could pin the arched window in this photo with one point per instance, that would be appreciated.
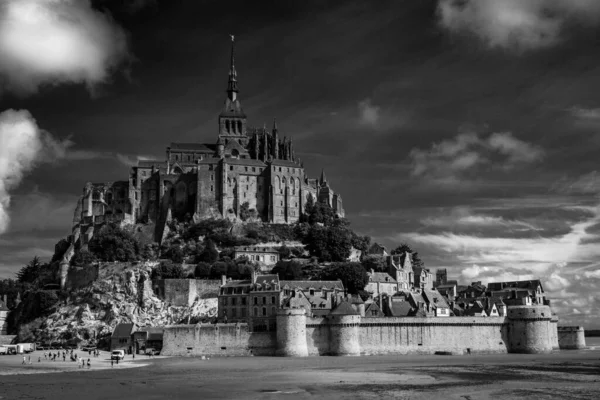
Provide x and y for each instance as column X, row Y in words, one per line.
column 264, row 300
column 235, row 153
column 227, row 128
column 273, row 300
column 240, row 126
column 264, row 310
column 255, row 300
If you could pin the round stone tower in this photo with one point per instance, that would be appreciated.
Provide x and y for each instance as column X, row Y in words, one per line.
column 291, row 333
column 554, row 332
column 571, row 337
column 529, row 329
column 344, row 322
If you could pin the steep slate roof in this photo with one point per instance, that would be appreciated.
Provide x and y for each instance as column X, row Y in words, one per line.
column 122, row 330
column 245, row 161
column 400, row 308
column 344, row 308
column 305, row 285
column 267, row 279
column 200, row 147
column 381, row 277
column 285, row 163
column 432, row 296
column 237, row 283
column 256, row 249
column 150, row 163
column 530, row 285
column 373, row 306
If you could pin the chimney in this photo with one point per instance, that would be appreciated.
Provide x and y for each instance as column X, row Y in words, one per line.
column 223, row 279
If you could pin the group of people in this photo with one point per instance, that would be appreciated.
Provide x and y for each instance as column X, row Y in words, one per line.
column 52, row 356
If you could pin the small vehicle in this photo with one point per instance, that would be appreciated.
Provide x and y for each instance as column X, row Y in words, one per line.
column 27, row 347
column 88, row 348
column 117, row 355
column 3, row 350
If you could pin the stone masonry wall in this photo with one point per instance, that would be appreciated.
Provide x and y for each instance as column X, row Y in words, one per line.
column 571, row 337
column 183, row 292
column 217, row 340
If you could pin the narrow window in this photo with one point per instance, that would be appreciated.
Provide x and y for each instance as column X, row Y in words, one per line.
column 231, row 167
column 264, row 300
column 264, row 311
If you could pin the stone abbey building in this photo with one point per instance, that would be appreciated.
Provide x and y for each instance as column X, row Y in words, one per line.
column 246, row 172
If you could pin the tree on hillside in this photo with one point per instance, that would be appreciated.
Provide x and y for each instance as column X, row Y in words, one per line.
column 30, row 272
column 202, row 270
column 168, row 270
column 416, row 260
column 374, row 262
column 112, row 243
column 210, row 254
column 284, row 252
column 288, row 270
column 83, row 257
column 329, row 243
column 352, row 274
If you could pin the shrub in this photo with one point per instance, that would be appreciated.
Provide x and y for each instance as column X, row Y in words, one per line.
column 202, row 270
column 168, row 270
column 113, row 243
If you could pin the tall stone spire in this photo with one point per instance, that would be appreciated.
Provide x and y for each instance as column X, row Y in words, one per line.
column 232, row 86
column 323, row 178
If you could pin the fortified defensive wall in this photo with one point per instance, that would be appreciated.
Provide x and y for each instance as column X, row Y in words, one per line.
column 571, row 337
column 526, row 329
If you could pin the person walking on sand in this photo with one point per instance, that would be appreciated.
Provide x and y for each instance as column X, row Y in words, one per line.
column 24, row 360
column 64, row 356
column 89, row 364
column 112, row 362
column 29, row 359
column 45, row 355
column 39, row 359
column 83, row 363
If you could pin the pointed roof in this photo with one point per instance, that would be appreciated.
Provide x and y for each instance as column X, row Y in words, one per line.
column 323, row 179
column 344, row 308
column 232, row 86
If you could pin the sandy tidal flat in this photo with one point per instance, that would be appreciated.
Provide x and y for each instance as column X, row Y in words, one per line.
column 562, row 375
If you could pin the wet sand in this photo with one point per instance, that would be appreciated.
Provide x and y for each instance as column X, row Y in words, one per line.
column 562, row 375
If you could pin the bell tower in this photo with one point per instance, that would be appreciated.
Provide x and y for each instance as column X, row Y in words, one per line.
column 232, row 120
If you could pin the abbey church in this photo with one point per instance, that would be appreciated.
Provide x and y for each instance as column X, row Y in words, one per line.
column 246, row 173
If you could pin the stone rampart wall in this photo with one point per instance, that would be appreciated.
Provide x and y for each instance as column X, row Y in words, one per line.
column 183, row 292
column 457, row 335
column 571, row 337
column 207, row 289
column 217, row 340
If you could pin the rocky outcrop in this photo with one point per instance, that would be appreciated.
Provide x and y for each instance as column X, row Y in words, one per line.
column 122, row 293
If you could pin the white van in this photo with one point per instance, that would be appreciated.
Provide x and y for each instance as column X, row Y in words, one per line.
column 117, row 355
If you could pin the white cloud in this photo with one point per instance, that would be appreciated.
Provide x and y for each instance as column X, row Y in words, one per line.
column 56, row 41
column 585, row 113
column 22, row 146
column 449, row 159
column 516, row 24
column 369, row 113
column 466, row 217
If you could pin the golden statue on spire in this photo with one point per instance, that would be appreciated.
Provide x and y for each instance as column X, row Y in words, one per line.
column 232, row 37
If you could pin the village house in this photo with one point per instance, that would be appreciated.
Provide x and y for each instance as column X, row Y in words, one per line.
column 381, row 282
column 148, row 338
column 519, row 289
column 263, row 255
column 401, row 269
column 257, row 300
column 121, row 338
column 3, row 317
column 423, row 278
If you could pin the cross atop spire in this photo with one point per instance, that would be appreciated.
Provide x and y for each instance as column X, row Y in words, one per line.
column 232, row 86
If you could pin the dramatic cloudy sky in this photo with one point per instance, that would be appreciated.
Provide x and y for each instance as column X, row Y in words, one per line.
column 468, row 129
